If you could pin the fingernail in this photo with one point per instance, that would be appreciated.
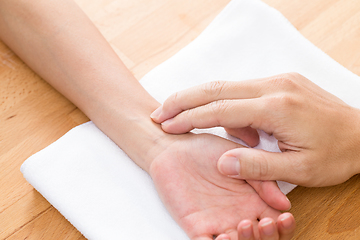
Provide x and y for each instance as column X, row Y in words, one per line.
column 268, row 227
column 167, row 122
column 286, row 221
column 229, row 166
column 246, row 230
column 156, row 113
column 289, row 203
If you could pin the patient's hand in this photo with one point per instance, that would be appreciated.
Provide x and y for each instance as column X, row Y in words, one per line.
column 203, row 201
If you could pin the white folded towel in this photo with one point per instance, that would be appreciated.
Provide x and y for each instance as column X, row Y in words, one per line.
column 104, row 194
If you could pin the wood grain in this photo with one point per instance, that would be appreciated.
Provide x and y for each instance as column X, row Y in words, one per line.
column 145, row 33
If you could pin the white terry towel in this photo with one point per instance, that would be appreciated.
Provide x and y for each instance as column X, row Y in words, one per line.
column 104, row 194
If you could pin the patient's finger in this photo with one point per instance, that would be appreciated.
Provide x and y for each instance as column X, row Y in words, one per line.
column 249, row 135
column 204, row 94
column 270, row 213
column 229, row 235
column 223, row 237
column 245, row 230
column 268, row 229
column 286, row 226
column 225, row 113
column 271, row 194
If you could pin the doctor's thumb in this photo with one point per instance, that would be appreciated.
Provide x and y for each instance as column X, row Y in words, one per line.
column 253, row 164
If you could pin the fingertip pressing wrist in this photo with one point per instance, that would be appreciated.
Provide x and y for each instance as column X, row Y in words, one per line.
column 156, row 115
column 173, row 125
column 162, row 114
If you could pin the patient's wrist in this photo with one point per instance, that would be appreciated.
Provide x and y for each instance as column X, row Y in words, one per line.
column 137, row 135
column 151, row 142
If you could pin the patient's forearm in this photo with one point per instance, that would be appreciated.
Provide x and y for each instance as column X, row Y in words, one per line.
column 59, row 42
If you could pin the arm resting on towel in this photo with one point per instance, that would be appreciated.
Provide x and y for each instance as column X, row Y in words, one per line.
column 58, row 41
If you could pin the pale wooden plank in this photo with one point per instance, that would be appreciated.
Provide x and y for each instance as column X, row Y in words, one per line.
column 154, row 34
column 332, row 26
column 152, row 61
column 301, row 13
column 49, row 225
column 17, row 80
column 337, row 22
column 327, row 213
column 22, row 212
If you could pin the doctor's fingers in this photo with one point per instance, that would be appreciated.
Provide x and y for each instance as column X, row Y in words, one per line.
column 290, row 83
column 206, row 93
column 225, row 113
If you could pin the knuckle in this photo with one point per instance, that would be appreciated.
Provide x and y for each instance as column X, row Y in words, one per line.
column 293, row 75
column 173, row 104
column 214, row 89
column 218, row 107
column 173, row 99
column 185, row 120
column 285, row 82
column 188, row 114
column 286, row 100
column 264, row 170
column 281, row 102
column 258, row 167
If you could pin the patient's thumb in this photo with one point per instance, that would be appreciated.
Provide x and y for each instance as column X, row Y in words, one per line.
column 255, row 164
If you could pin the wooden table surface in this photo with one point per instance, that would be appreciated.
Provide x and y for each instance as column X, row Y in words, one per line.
column 145, row 33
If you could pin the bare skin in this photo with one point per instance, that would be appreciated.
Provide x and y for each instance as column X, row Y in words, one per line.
column 317, row 133
column 197, row 194
column 58, row 41
column 268, row 229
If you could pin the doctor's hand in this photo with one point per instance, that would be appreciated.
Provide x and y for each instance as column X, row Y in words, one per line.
column 318, row 134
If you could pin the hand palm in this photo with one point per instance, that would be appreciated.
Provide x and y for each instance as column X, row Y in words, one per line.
column 203, row 201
